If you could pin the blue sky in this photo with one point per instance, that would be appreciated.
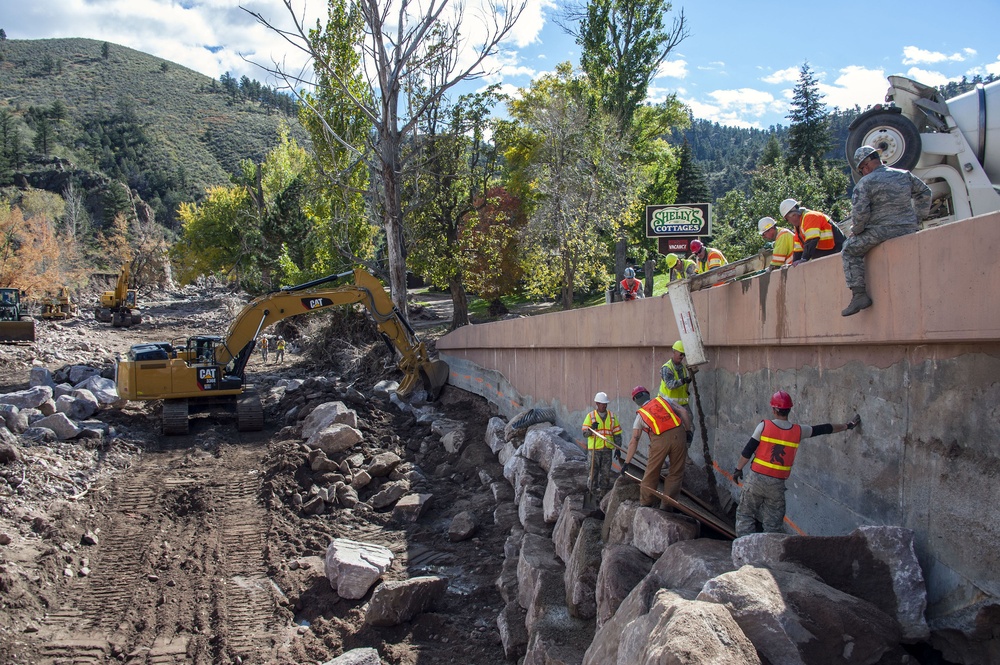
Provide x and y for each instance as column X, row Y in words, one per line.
column 737, row 67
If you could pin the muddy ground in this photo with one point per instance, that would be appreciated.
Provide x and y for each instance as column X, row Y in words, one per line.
column 140, row 548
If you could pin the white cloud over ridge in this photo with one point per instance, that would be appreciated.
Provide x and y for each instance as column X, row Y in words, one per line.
column 672, row 69
column 913, row 55
column 789, row 75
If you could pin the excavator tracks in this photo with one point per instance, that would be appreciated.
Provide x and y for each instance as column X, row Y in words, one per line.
column 179, row 573
column 249, row 412
column 175, row 416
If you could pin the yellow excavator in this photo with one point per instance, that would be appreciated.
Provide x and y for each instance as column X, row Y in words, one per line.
column 120, row 307
column 209, row 370
column 59, row 307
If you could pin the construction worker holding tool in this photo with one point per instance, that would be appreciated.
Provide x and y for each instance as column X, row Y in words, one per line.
column 631, row 287
column 706, row 257
column 675, row 377
column 773, row 446
column 785, row 242
column 666, row 422
column 815, row 232
column 604, row 435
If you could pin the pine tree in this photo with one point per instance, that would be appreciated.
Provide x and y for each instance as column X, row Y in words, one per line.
column 692, row 187
column 772, row 152
column 809, row 132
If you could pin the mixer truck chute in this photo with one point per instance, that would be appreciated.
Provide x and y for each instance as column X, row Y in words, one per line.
column 952, row 145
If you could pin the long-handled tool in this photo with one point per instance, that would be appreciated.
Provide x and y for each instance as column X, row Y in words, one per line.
column 590, row 500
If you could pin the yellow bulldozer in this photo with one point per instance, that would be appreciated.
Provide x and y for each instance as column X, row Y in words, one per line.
column 209, row 371
column 15, row 324
column 59, row 307
column 120, row 307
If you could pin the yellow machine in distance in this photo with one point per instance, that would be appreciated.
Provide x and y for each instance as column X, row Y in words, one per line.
column 210, row 370
column 59, row 307
column 119, row 307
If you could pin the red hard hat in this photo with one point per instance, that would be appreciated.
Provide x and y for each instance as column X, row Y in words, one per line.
column 781, row 400
column 696, row 245
column 639, row 389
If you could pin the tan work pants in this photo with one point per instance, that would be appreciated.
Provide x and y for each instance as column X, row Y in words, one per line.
column 671, row 444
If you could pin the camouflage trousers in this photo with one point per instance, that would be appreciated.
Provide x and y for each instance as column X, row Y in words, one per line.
column 600, row 471
column 857, row 246
column 762, row 500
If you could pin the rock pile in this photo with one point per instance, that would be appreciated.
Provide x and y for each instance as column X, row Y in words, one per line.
column 643, row 587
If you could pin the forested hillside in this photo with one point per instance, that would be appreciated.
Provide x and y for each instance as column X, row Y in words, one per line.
column 105, row 111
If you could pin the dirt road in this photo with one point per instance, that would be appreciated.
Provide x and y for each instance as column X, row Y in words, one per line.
column 194, row 549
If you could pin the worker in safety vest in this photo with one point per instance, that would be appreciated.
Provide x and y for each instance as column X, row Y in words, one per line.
column 631, row 287
column 815, row 232
column 279, row 351
column 678, row 268
column 604, row 435
column 784, row 241
column 706, row 257
column 263, row 348
column 773, row 446
column 667, row 424
column 675, row 377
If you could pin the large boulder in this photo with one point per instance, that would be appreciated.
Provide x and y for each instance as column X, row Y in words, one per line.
column 103, row 389
column 654, row 530
column 566, row 479
column 544, row 444
column 794, row 618
column 568, row 526
column 494, row 434
column 327, row 414
column 60, row 424
column 352, row 567
column 335, row 438
column 393, row 603
column 677, row 631
column 78, row 405
column 581, row 572
column 624, row 489
column 40, row 376
column 14, row 419
column 622, row 568
column 513, row 634
column 683, row 568
column 362, row 656
column 31, row 398
column 875, row 563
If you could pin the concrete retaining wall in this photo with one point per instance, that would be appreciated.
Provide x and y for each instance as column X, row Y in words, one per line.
column 922, row 367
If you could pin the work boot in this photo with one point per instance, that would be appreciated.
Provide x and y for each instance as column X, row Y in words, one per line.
column 860, row 301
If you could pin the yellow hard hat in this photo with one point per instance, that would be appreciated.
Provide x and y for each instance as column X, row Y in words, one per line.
column 672, row 261
column 678, row 346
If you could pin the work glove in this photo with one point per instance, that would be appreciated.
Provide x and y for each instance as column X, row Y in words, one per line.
column 689, row 435
column 855, row 421
column 737, row 475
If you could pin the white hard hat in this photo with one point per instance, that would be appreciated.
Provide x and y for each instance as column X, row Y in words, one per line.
column 601, row 398
column 787, row 206
column 764, row 224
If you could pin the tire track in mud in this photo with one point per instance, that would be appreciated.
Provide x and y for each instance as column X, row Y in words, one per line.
column 179, row 575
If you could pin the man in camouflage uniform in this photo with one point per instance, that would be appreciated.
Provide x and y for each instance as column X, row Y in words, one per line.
column 772, row 446
column 887, row 203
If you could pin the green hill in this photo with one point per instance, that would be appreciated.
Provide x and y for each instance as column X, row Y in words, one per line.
column 104, row 109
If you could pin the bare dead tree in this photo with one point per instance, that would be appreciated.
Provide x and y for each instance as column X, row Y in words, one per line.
column 399, row 38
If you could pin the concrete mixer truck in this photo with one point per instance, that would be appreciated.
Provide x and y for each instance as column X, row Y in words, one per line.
column 952, row 145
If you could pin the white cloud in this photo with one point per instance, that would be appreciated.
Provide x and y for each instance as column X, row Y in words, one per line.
column 994, row 67
column 928, row 77
column 856, row 85
column 913, row 55
column 532, row 20
column 673, row 69
column 789, row 75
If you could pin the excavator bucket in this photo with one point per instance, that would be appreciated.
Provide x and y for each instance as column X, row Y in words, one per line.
column 434, row 374
column 17, row 331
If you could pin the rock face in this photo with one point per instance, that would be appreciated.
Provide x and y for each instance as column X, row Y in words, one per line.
column 653, row 530
column 393, row 603
column 622, row 567
column 794, row 618
column 677, row 631
column 353, row 567
column 875, row 563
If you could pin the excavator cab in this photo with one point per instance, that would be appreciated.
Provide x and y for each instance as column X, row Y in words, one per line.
column 15, row 324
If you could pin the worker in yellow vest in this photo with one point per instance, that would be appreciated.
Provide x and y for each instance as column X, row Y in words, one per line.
column 279, row 351
column 675, row 377
column 666, row 422
column 604, row 435
column 678, row 268
column 772, row 446
column 784, row 241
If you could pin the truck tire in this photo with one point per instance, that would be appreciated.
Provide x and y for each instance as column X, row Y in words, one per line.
column 893, row 134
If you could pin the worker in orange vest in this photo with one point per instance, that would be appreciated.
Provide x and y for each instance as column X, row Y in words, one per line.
column 631, row 287
column 814, row 231
column 666, row 422
column 785, row 242
column 706, row 257
column 773, row 446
